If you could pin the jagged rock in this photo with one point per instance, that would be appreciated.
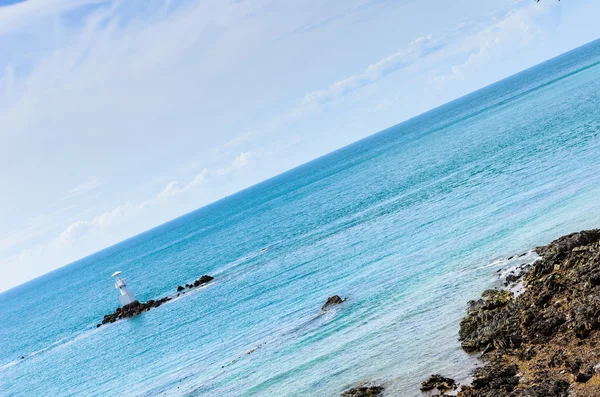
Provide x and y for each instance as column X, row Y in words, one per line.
column 439, row 383
column 538, row 343
column 559, row 248
column 364, row 391
column 203, row 280
column 333, row 300
column 180, row 288
column 492, row 322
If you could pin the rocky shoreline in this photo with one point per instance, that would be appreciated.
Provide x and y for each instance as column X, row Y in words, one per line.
column 136, row 307
column 541, row 341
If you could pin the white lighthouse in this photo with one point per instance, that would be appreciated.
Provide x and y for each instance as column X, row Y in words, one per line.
column 121, row 284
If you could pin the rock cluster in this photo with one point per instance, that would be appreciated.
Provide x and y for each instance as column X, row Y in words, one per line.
column 202, row 280
column 136, row 307
column 438, row 383
column 364, row 391
column 333, row 300
column 133, row 309
column 542, row 343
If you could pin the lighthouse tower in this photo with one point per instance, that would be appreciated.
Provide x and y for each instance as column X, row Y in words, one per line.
column 121, row 284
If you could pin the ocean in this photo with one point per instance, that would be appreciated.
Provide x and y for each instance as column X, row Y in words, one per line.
column 407, row 224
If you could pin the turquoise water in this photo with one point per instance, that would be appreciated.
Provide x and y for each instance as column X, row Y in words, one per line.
column 408, row 224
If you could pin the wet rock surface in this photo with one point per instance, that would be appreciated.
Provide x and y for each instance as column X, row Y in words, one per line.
column 136, row 307
column 544, row 342
column 438, row 383
column 333, row 300
column 364, row 391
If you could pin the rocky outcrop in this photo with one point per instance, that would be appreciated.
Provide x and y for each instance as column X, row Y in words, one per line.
column 364, row 391
column 439, row 384
column 203, row 280
column 136, row 307
column 543, row 342
column 133, row 309
column 333, row 300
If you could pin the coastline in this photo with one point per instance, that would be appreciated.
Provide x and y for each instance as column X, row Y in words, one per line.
column 536, row 334
column 540, row 342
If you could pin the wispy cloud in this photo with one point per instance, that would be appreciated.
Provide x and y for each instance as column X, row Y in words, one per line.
column 415, row 51
column 317, row 101
column 87, row 186
column 511, row 30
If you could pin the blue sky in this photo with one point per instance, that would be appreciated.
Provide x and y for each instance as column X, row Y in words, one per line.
column 117, row 116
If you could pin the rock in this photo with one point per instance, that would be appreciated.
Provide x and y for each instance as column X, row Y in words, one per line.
column 333, row 300
column 364, row 391
column 439, row 383
column 595, row 279
column 582, row 378
column 491, row 322
column 564, row 245
column 180, row 288
column 203, row 280
column 538, row 343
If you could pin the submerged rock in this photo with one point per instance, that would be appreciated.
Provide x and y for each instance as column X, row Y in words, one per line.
column 333, row 300
column 364, row 391
column 439, row 383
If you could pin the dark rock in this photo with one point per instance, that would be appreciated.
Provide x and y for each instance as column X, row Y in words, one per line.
column 559, row 248
column 491, row 323
column 203, row 280
column 512, row 278
column 439, row 383
column 582, row 378
column 364, row 391
column 333, row 300
column 180, row 288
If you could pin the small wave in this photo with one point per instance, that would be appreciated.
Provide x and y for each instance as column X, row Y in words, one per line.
column 513, row 261
column 59, row 344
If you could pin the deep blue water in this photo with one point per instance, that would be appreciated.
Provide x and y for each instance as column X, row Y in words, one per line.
column 408, row 224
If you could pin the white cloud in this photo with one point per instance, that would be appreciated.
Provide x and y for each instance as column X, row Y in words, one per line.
column 174, row 188
column 241, row 161
column 80, row 229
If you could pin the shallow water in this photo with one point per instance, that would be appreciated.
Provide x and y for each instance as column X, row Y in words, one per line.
column 407, row 224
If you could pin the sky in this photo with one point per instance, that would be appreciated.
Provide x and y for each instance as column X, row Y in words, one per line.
column 118, row 116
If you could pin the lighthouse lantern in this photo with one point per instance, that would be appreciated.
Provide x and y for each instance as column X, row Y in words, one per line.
column 126, row 296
